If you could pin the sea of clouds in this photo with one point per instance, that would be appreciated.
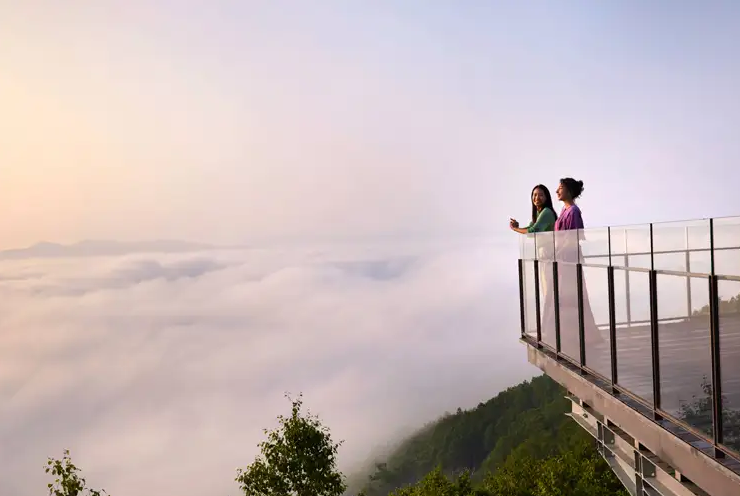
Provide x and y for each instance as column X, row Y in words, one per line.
column 159, row 371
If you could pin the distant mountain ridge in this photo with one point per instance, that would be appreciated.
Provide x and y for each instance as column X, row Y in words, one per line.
column 97, row 248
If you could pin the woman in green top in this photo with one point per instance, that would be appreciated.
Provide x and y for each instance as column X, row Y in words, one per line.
column 543, row 220
column 543, row 213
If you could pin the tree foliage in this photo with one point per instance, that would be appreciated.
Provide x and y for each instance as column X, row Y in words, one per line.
column 574, row 473
column 579, row 472
column 726, row 306
column 67, row 482
column 698, row 413
column 436, row 483
column 298, row 459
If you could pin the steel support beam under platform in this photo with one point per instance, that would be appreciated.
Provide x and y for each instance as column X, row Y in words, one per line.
column 640, row 471
column 646, row 457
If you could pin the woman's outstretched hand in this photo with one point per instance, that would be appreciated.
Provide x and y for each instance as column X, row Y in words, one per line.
column 513, row 224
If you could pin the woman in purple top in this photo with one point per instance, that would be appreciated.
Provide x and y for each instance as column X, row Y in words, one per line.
column 567, row 247
column 570, row 217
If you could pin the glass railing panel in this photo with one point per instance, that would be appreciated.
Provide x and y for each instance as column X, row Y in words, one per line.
column 700, row 255
column 547, row 303
column 568, row 298
column 685, row 349
column 683, row 309
column 675, row 242
column 700, row 261
column 594, row 246
column 596, row 319
column 567, row 246
column 545, row 244
column 631, row 246
column 727, row 246
column 631, row 297
column 527, row 249
column 729, row 340
column 632, row 311
column 727, row 267
column 530, row 301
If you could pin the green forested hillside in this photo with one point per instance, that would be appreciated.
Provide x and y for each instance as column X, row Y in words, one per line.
column 503, row 441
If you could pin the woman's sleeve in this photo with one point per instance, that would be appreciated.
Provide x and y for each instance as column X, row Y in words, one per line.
column 577, row 219
column 544, row 219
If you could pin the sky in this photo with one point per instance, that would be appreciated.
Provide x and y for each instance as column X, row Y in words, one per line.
column 243, row 121
column 369, row 154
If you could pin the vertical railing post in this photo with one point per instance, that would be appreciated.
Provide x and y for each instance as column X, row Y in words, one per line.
column 522, row 307
column 627, row 302
column 537, row 300
column 556, row 305
column 556, row 295
column 654, row 334
column 612, row 312
column 581, row 309
column 536, row 264
column 654, row 338
column 688, row 277
column 581, row 324
column 612, row 324
column 714, row 327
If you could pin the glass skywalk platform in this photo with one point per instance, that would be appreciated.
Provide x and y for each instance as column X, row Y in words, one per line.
column 641, row 324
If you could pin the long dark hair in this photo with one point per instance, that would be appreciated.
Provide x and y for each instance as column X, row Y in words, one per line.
column 548, row 201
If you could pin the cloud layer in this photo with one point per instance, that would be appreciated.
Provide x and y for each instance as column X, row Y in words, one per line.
column 159, row 372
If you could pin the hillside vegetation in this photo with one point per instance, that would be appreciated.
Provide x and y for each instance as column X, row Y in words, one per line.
column 505, row 445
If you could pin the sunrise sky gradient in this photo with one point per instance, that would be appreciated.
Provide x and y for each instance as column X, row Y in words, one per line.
column 235, row 121
column 366, row 157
